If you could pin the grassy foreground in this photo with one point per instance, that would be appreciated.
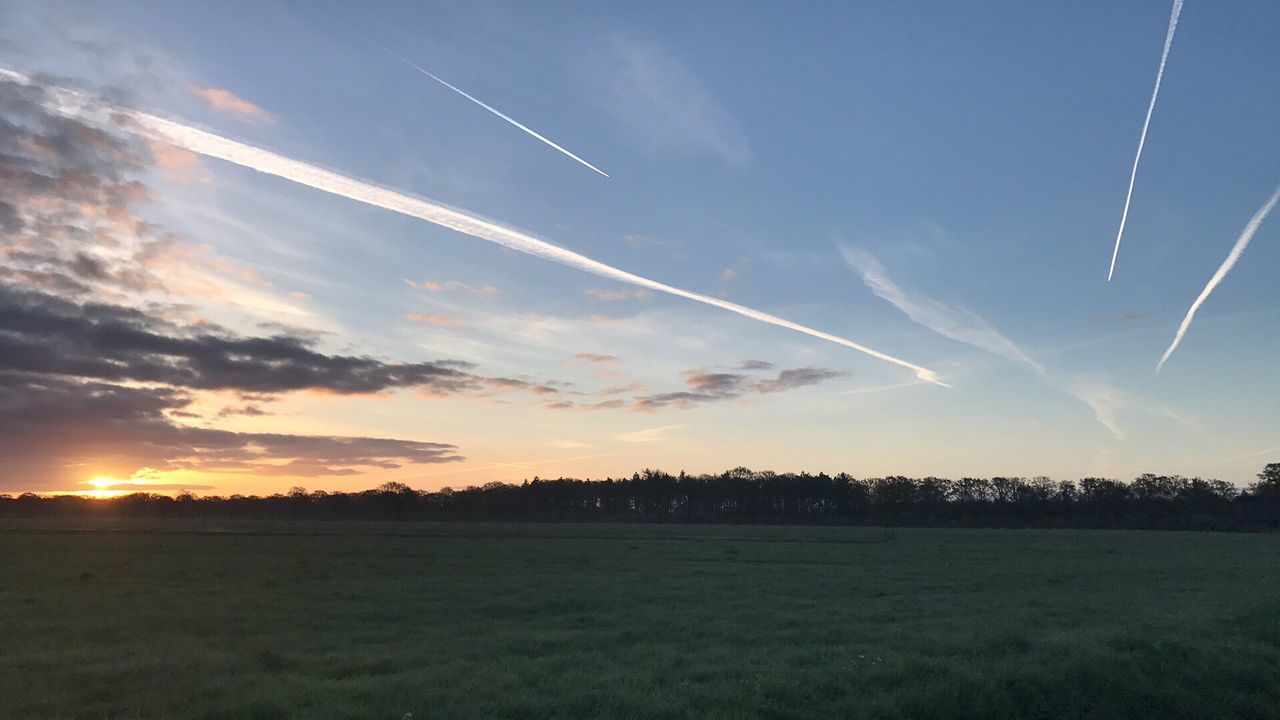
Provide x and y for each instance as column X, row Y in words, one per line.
column 329, row 621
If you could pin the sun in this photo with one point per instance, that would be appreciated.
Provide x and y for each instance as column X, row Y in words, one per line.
column 104, row 487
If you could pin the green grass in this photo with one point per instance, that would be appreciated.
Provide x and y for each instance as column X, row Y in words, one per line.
column 329, row 621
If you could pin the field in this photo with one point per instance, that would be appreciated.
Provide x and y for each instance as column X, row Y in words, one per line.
column 328, row 621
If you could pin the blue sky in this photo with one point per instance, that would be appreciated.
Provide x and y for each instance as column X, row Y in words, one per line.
column 977, row 153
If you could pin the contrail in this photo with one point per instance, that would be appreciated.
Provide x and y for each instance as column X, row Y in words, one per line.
column 74, row 104
column 1241, row 243
column 486, row 106
column 1142, row 139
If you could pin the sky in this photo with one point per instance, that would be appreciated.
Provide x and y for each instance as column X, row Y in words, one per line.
column 938, row 183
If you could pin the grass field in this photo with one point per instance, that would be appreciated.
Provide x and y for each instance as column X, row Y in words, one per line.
column 331, row 621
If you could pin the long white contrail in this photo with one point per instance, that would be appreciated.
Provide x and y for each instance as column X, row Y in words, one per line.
column 487, row 106
column 74, row 104
column 1142, row 139
column 1241, row 243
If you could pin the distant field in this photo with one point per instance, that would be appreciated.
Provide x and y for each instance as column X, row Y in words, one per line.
column 328, row 621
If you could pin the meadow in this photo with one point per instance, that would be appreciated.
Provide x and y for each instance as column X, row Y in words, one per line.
column 335, row 620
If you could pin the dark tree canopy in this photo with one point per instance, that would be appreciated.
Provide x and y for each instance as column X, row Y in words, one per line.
column 742, row 496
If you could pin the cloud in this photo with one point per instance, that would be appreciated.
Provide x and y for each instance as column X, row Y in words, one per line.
column 952, row 322
column 713, row 382
column 242, row 411
column 662, row 102
column 567, row 444
column 486, row 291
column 617, row 294
column 649, row 435
column 597, row 358
column 622, row 389
column 54, row 431
column 1106, row 400
column 182, row 166
column 43, row 334
column 145, row 486
column 613, row 404
column 228, row 102
column 701, row 387
column 435, row 319
column 730, row 274
column 71, row 219
column 78, row 105
column 504, row 383
column 709, row 387
column 870, row 389
column 755, row 365
column 796, row 378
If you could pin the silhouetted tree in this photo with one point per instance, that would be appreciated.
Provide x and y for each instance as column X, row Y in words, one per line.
column 740, row 495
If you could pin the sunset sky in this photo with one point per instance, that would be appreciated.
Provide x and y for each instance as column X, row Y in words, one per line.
column 938, row 182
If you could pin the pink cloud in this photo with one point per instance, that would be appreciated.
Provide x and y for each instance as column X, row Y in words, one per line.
column 433, row 319
column 488, row 292
column 617, row 295
column 228, row 102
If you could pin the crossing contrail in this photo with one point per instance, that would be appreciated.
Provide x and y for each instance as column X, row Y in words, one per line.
column 74, row 104
column 1241, row 243
column 1142, row 139
column 486, row 106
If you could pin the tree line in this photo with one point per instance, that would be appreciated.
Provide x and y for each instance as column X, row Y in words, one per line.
column 1166, row 502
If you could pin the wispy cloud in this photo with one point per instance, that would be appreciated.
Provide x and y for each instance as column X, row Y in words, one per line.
column 656, row 434
column 870, row 389
column 74, row 104
column 486, row 291
column 617, row 294
column 1142, row 139
column 665, row 104
column 528, row 130
column 953, row 322
column 435, row 319
column 228, row 102
column 962, row 325
column 1237, row 250
column 182, row 166
column 597, row 358
column 1108, row 401
column 640, row 242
